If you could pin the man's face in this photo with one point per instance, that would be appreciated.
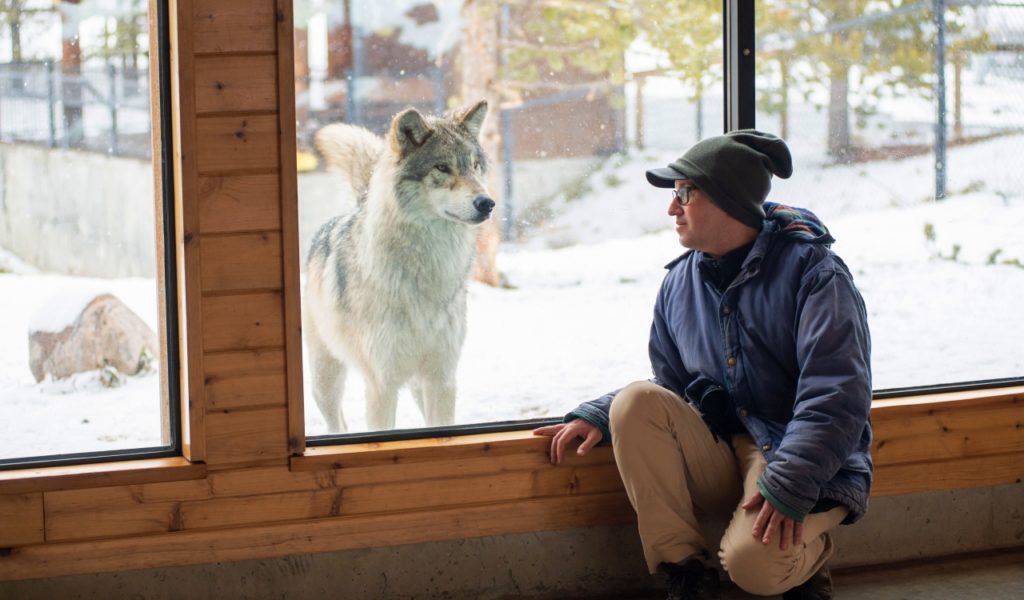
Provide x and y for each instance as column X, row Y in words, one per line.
column 699, row 222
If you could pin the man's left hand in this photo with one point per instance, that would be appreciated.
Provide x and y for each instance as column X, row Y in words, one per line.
column 769, row 521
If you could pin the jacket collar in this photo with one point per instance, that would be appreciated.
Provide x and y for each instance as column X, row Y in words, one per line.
column 791, row 223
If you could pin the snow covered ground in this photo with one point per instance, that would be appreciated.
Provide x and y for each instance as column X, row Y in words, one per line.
column 574, row 323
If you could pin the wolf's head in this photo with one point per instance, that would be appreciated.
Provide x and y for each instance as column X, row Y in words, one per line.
column 441, row 165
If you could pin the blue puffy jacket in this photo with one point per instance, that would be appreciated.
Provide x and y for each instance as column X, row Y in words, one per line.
column 788, row 341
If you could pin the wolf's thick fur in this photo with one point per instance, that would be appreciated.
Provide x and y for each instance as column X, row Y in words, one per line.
column 386, row 285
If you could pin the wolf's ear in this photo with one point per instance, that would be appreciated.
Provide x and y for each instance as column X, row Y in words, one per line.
column 408, row 131
column 473, row 117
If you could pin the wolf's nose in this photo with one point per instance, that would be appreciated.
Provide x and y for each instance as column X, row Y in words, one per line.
column 483, row 204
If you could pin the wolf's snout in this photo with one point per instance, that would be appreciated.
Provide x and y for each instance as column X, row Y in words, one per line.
column 484, row 204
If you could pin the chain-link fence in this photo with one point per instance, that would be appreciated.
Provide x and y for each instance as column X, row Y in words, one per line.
column 103, row 109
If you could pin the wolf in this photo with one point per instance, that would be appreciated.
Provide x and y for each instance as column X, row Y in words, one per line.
column 386, row 285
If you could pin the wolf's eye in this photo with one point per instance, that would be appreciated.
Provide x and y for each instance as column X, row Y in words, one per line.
column 443, row 167
column 476, row 165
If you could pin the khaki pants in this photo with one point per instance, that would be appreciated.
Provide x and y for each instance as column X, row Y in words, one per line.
column 672, row 468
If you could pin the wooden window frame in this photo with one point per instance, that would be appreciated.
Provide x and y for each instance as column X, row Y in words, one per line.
column 246, row 486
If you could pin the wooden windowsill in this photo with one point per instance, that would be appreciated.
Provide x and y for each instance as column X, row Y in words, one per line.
column 126, row 472
column 420, row 450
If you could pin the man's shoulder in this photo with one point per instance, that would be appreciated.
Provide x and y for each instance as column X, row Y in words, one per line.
column 685, row 257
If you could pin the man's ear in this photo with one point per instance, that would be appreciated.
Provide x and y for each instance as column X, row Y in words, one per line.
column 408, row 131
column 473, row 117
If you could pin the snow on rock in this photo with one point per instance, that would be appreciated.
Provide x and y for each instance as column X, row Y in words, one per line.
column 105, row 334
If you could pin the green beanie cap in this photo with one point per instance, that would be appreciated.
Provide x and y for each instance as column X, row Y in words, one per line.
column 735, row 170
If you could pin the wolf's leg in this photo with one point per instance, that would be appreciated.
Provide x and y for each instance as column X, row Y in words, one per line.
column 328, row 381
column 417, row 389
column 438, row 406
column 381, row 403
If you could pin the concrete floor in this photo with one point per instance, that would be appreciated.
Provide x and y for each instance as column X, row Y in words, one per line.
column 995, row 576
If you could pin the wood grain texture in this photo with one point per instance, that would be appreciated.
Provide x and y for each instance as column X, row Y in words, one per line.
column 223, row 26
column 241, row 321
column 247, row 436
column 186, row 225
column 237, row 143
column 953, row 426
column 239, row 262
column 315, row 535
column 290, row 226
column 424, row 450
column 245, row 379
column 100, row 475
column 236, row 83
column 913, row 478
column 21, row 519
column 239, row 203
column 118, row 511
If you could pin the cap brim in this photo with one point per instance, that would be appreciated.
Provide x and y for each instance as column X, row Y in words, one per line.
column 665, row 177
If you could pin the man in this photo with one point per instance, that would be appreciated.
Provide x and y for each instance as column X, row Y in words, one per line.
column 760, row 400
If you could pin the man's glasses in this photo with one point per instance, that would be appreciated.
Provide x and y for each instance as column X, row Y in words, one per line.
column 682, row 194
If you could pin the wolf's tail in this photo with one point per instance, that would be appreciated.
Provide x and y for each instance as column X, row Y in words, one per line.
column 351, row 151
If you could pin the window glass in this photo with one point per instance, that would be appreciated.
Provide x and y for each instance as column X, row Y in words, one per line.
column 923, row 197
column 583, row 98
column 80, row 351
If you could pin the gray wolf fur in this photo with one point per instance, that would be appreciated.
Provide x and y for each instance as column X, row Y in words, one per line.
column 385, row 288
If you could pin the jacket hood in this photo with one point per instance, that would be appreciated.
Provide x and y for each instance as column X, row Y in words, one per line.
column 798, row 224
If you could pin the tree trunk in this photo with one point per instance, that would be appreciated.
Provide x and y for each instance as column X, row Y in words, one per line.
column 958, row 123
column 71, row 75
column 480, row 61
column 839, row 114
column 784, row 99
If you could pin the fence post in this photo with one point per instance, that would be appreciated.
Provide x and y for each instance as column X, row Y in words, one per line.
column 939, row 7
column 112, row 104
column 51, row 102
column 509, row 166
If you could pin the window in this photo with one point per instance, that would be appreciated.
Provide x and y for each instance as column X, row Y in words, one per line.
column 585, row 96
column 84, row 361
column 923, row 197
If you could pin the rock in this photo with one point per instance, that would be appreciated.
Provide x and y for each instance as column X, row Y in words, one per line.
column 106, row 334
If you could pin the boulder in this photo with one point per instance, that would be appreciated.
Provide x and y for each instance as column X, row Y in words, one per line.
column 105, row 335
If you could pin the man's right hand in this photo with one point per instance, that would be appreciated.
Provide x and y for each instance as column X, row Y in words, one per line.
column 563, row 433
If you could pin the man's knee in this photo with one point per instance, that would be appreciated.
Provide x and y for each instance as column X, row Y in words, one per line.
column 757, row 568
column 632, row 404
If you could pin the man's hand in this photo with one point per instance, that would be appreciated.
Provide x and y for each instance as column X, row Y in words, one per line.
column 770, row 520
column 563, row 433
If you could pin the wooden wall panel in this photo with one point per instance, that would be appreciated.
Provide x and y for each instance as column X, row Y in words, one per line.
column 945, row 431
column 236, row 83
column 290, row 224
column 223, row 26
column 186, row 225
column 119, row 510
column 913, row 478
column 315, row 535
column 250, row 261
column 237, row 143
column 21, row 519
column 259, row 510
column 245, row 379
column 236, row 322
column 239, row 203
column 246, row 436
